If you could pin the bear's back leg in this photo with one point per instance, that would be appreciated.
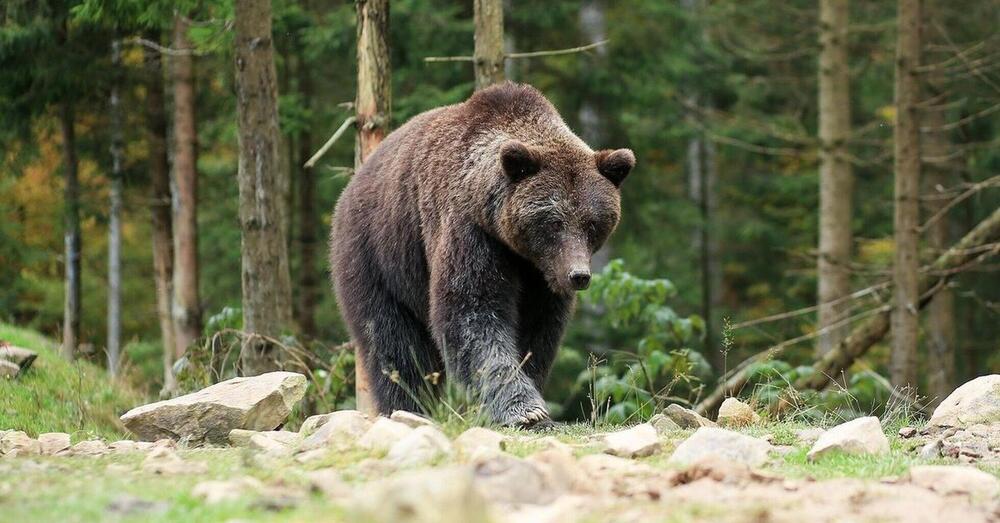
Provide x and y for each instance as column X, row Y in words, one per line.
column 398, row 352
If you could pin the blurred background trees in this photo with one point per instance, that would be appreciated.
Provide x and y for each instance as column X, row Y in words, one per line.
column 765, row 186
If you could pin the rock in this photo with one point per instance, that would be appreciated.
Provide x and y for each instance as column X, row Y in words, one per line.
column 8, row 370
column 977, row 401
column 18, row 443
column 209, row 415
column 561, row 470
column 553, row 443
column 907, row 432
column 274, row 448
column 23, row 358
column 124, row 446
column 687, row 418
column 956, row 480
column 313, row 455
column 439, row 495
column 507, row 479
column 241, row 437
column 126, row 505
column 809, row 435
column 383, row 434
column 213, row 492
column 164, row 461
column 341, row 430
column 932, row 450
column 663, row 424
column 421, row 447
column 479, row 440
column 734, row 413
column 91, row 448
column 328, row 482
column 859, row 436
column 711, row 441
column 411, row 419
column 636, row 442
column 53, row 442
column 312, row 424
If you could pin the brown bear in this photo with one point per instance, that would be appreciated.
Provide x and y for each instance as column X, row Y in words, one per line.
column 457, row 248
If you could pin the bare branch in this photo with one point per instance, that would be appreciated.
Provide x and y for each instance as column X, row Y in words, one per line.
column 329, row 143
column 161, row 49
column 989, row 182
column 516, row 56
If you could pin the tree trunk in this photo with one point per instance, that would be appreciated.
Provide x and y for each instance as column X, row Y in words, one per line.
column 71, row 235
column 187, row 304
column 836, row 179
column 372, row 118
column 160, row 208
column 488, row 56
column 940, row 337
column 308, row 282
column 969, row 249
column 267, row 296
column 905, row 277
column 702, row 178
column 114, row 217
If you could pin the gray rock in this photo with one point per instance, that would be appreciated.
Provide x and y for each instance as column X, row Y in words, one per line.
column 312, row 424
column 734, row 413
column 209, row 415
column 712, row 441
column 438, row 495
column 53, row 442
column 932, row 450
column 18, row 443
column 859, row 436
column 411, row 419
column 479, row 440
column 687, row 418
column 907, row 432
column 23, row 358
column 164, row 461
column 638, row 441
column 977, row 401
column 663, row 424
column 214, row 492
column 341, row 430
column 809, row 435
column 956, row 480
column 507, row 479
column 241, row 437
column 274, row 448
column 8, row 370
column 383, row 434
column 126, row 446
column 421, row 447
column 328, row 482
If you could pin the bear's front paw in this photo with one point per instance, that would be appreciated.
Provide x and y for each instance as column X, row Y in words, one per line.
column 523, row 415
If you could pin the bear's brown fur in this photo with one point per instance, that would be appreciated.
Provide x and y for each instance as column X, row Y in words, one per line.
column 458, row 245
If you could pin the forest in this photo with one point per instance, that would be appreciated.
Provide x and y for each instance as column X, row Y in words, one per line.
column 811, row 226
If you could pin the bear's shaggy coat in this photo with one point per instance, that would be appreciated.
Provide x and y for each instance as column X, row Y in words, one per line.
column 457, row 247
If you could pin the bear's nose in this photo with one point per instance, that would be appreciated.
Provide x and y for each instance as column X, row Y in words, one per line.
column 579, row 278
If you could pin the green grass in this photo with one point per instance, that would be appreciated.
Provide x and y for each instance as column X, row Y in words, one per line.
column 58, row 396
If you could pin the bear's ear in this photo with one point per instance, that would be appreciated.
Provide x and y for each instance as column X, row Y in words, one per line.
column 518, row 160
column 615, row 165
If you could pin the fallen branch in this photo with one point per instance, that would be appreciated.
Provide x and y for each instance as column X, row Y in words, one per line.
column 516, row 56
column 329, row 143
column 169, row 51
column 833, row 363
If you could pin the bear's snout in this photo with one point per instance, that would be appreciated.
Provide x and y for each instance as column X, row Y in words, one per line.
column 579, row 278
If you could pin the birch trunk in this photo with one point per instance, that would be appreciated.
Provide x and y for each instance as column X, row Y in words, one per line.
column 114, row 217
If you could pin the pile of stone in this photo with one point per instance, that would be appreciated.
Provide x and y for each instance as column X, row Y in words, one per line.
column 14, row 360
column 965, row 426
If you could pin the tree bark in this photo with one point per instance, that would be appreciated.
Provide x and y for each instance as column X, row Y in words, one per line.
column 160, row 209
column 186, row 303
column 969, row 249
column 905, row 277
column 71, row 234
column 940, row 339
column 372, row 119
column 836, row 179
column 488, row 56
column 308, row 282
column 114, row 216
column 267, row 300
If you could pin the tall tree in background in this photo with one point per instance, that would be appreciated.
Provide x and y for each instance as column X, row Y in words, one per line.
column 71, row 232
column 267, row 294
column 308, row 238
column 114, row 214
column 906, row 136
column 372, row 113
column 187, row 303
column 836, row 183
column 160, row 208
column 488, row 57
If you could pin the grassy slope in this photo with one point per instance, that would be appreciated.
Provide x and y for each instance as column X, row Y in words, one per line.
column 57, row 396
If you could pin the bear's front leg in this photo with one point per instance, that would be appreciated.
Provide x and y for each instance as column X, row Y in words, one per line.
column 474, row 319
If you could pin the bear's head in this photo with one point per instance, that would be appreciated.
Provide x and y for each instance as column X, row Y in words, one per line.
column 561, row 205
